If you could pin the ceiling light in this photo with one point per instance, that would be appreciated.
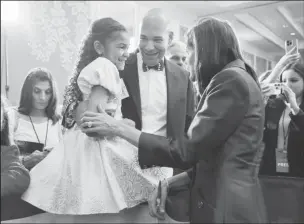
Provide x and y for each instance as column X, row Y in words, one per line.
column 285, row 26
column 292, row 34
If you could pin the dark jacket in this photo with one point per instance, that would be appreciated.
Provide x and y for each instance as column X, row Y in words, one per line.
column 180, row 97
column 224, row 146
column 15, row 179
column 295, row 147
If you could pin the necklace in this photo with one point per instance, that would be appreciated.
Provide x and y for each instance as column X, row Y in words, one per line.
column 47, row 129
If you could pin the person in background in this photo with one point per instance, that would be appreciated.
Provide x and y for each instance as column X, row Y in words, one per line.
column 272, row 76
column 177, row 53
column 284, row 126
column 15, row 178
column 224, row 143
column 37, row 119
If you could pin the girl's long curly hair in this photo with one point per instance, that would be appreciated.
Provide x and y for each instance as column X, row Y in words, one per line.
column 100, row 30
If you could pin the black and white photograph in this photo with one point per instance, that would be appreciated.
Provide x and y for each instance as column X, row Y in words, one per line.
column 152, row 112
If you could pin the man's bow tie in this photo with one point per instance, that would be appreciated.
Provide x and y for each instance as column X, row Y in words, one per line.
column 158, row 67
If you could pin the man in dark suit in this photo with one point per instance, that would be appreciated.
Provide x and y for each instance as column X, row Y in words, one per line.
column 161, row 99
column 160, row 93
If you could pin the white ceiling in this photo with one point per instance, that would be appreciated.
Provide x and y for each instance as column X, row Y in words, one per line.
column 263, row 24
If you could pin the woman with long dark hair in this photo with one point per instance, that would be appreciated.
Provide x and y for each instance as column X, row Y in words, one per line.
column 36, row 124
column 284, row 127
column 224, row 141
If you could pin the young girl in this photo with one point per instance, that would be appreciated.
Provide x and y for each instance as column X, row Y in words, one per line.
column 85, row 175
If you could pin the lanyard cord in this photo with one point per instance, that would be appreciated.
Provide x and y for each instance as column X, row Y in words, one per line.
column 285, row 132
column 47, row 130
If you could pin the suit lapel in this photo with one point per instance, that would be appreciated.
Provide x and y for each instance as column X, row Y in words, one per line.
column 172, row 95
column 132, row 82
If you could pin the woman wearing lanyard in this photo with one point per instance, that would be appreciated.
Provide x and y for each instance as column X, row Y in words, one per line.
column 37, row 128
column 284, row 127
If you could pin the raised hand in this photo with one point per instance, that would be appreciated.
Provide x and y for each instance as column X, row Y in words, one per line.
column 289, row 58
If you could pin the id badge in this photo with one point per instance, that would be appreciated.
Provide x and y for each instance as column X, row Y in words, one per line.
column 281, row 161
column 125, row 93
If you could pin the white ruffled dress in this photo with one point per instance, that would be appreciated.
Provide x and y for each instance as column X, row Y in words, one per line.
column 83, row 175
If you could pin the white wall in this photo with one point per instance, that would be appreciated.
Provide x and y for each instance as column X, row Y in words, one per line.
column 176, row 16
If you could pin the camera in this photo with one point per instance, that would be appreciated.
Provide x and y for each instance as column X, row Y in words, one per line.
column 276, row 88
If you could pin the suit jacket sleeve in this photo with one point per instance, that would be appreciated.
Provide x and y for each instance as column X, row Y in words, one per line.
column 15, row 178
column 224, row 107
column 190, row 105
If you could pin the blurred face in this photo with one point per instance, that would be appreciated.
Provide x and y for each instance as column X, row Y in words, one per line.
column 294, row 81
column 177, row 55
column 153, row 41
column 116, row 49
column 42, row 93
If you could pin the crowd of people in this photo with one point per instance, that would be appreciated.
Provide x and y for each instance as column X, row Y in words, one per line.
column 174, row 132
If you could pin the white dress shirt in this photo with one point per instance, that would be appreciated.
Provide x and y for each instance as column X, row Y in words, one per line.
column 153, row 94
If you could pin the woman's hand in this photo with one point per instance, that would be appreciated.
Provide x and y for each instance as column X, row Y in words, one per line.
column 48, row 150
column 33, row 159
column 100, row 123
column 290, row 99
column 157, row 200
column 288, row 59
